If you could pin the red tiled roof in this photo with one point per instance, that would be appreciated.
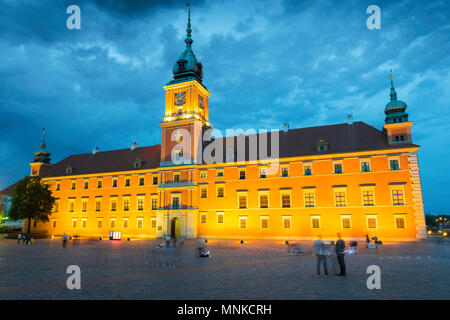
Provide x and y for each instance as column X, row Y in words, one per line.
column 106, row 161
column 341, row 138
column 9, row 190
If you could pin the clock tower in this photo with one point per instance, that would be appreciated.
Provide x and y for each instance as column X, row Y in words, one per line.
column 186, row 112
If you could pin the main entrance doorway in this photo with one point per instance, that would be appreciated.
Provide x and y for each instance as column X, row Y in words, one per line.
column 175, row 227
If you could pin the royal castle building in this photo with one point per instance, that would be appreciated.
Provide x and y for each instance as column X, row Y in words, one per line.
column 350, row 178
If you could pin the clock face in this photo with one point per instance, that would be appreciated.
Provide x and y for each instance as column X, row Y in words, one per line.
column 180, row 98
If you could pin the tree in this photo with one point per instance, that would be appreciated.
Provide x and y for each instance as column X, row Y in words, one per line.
column 31, row 200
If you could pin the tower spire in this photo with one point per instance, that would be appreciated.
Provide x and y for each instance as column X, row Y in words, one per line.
column 188, row 39
column 42, row 155
column 393, row 92
column 43, row 144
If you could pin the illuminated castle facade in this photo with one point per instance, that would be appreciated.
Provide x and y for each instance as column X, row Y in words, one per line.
column 350, row 178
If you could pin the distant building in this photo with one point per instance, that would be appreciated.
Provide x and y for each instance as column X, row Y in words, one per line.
column 5, row 206
column 350, row 178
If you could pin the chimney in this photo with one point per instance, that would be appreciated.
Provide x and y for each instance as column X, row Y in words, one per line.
column 95, row 150
column 133, row 146
column 285, row 127
column 350, row 119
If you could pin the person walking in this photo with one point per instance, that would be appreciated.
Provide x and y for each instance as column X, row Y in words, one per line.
column 340, row 248
column 64, row 239
column 319, row 248
column 19, row 237
column 168, row 241
column 367, row 240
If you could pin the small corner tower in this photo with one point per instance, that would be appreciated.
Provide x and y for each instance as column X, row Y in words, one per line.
column 186, row 111
column 41, row 158
column 397, row 126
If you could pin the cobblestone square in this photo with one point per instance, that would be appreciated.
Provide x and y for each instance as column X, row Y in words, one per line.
column 253, row 270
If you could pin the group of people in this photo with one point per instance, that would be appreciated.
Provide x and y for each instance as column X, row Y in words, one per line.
column 322, row 250
column 172, row 240
column 25, row 238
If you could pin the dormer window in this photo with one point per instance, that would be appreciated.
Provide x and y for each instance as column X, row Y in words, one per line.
column 137, row 163
column 69, row 169
column 321, row 146
column 182, row 64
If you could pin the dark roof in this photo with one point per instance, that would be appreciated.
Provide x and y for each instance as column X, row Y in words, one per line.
column 107, row 161
column 339, row 138
column 9, row 190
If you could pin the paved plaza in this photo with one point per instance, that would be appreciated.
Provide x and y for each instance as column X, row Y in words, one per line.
column 254, row 270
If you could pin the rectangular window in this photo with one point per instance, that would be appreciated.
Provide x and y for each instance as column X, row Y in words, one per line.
column 154, row 203
column 54, row 223
column 264, row 222
column 394, row 164
column 58, row 186
column 243, row 222
column 315, row 222
column 86, row 184
column 140, row 223
column 338, row 168
column 84, row 223
column 112, row 223
column 74, row 223
column 127, row 182
column 176, row 177
column 114, row 183
column 340, row 198
column 71, row 205
column 309, row 199
column 113, row 204
column 263, row 200
column 285, row 200
column 220, row 173
column 241, row 174
column 176, row 203
column 126, row 204
column 346, row 222
column 397, row 197
column 285, row 172
column 220, row 217
column 140, row 204
column 287, row 222
column 84, row 205
column 368, row 198
column 99, row 223
column 203, row 218
column 242, row 202
column 204, row 193
column 204, row 174
column 98, row 205
column 220, row 192
column 372, row 222
column 153, row 225
column 125, row 223
column 56, row 205
column 307, row 170
column 263, row 173
column 99, row 184
column 400, row 222
column 73, row 185
column 365, row 166
column 155, row 180
column 141, row 181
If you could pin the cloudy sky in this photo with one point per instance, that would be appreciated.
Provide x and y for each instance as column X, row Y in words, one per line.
column 265, row 62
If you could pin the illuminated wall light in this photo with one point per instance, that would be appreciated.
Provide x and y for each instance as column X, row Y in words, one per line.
column 242, row 241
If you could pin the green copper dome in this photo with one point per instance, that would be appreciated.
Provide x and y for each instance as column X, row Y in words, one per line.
column 42, row 155
column 187, row 67
column 395, row 109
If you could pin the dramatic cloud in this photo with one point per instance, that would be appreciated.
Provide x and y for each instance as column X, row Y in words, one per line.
column 265, row 62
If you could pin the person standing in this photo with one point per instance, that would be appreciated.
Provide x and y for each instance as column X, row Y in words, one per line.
column 168, row 241
column 64, row 239
column 319, row 247
column 19, row 237
column 340, row 248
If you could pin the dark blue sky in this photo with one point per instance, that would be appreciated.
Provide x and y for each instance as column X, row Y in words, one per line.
column 265, row 62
